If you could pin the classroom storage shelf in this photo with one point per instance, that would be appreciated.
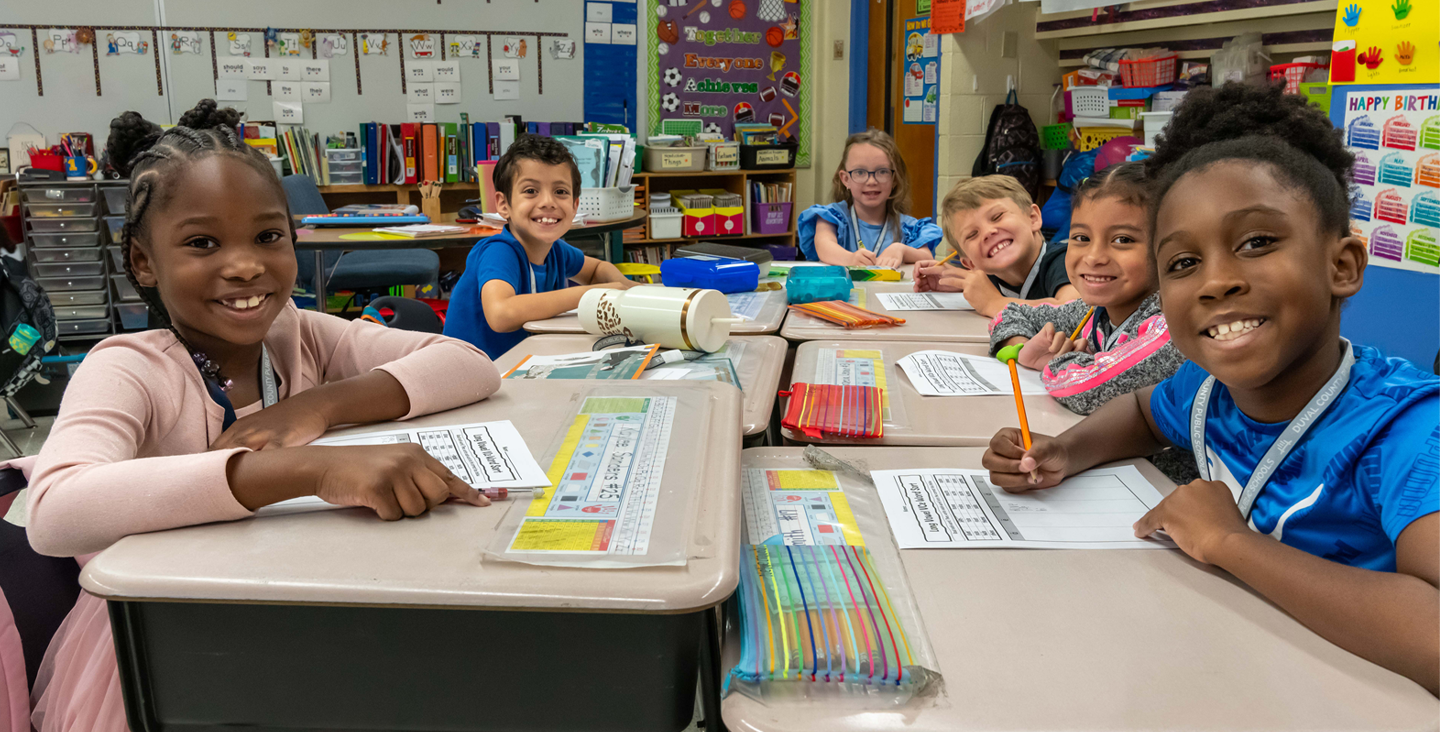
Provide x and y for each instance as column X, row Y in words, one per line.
column 734, row 181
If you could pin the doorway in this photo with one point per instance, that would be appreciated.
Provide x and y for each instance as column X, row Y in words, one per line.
column 885, row 98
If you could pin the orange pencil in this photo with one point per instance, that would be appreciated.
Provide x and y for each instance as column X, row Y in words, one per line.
column 1008, row 355
column 1083, row 321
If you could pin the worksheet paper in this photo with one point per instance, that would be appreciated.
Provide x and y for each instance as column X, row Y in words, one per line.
column 924, row 301
column 944, row 373
column 960, row 509
column 483, row 454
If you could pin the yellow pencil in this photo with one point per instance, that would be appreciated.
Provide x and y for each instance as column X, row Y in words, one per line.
column 1083, row 321
column 948, row 257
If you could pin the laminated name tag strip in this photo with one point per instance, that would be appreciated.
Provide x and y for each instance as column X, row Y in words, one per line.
column 821, row 612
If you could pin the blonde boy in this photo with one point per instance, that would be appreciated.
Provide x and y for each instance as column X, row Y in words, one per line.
column 996, row 227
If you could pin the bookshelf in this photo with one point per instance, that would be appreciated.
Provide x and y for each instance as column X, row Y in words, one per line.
column 734, row 181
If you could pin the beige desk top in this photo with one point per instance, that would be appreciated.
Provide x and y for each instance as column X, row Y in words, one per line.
column 759, row 369
column 767, row 322
column 917, row 420
column 1100, row 640
column 936, row 326
column 350, row 557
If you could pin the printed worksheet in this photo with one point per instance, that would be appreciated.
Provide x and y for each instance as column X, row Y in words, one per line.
column 924, row 301
column 944, row 373
column 607, row 481
column 483, row 454
column 961, row 509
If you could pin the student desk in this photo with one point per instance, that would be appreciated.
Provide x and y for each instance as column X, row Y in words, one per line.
column 337, row 620
column 936, row 326
column 1113, row 640
column 915, row 420
column 759, row 369
column 767, row 322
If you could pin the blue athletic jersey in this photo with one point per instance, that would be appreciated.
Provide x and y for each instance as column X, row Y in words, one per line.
column 1362, row 473
column 502, row 257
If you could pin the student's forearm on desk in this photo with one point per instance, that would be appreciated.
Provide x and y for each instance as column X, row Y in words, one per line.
column 372, row 397
column 264, row 477
column 604, row 272
column 508, row 314
column 1390, row 618
column 1120, row 429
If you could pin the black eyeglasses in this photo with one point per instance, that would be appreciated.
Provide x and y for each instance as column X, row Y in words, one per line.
column 861, row 175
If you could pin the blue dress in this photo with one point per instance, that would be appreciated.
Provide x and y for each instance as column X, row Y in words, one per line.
column 918, row 233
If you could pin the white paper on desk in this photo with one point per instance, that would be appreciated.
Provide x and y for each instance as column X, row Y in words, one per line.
column 924, row 301
column 483, row 454
column 945, row 373
column 747, row 305
column 961, row 509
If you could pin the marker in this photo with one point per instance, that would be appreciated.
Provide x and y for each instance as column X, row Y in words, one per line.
column 1083, row 321
column 501, row 494
column 1008, row 355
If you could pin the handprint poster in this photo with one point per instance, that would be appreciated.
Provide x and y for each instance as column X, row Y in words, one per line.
column 1386, row 42
column 1395, row 192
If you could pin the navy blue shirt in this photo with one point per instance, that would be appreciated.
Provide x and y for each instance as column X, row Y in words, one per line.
column 502, row 257
column 1366, row 469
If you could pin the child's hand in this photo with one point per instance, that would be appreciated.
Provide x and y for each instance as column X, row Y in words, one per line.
column 893, row 256
column 1198, row 516
column 862, row 258
column 979, row 291
column 1011, row 466
column 287, row 423
column 619, row 284
column 394, row 481
column 1046, row 345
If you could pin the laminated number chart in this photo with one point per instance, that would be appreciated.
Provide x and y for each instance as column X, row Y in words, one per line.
column 958, row 509
column 607, row 481
column 854, row 367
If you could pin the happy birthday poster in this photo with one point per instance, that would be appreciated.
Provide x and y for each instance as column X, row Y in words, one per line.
column 1395, row 196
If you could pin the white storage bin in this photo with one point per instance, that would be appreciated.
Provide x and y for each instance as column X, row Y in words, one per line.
column 1090, row 101
column 1154, row 124
column 665, row 222
column 341, row 154
column 607, row 204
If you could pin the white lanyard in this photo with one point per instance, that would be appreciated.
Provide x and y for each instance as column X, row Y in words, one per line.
column 269, row 391
column 860, row 243
column 1283, row 444
column 1109, row 341
column 531, row 269
column 1024, row 293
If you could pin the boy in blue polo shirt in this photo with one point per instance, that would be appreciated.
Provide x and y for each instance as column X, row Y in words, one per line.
column 1320, row 459
column 524, row 272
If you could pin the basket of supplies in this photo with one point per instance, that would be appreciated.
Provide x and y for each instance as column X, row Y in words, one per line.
column 1055, row 137
column 1093, row 137
column 1089, row 101
column 1149, row 71
column 607, row 204
column 1295, row 74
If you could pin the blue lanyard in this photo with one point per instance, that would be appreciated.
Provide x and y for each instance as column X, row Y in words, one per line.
column 269, row 390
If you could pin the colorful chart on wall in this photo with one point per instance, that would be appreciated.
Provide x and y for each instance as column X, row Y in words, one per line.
column 726, row 61
column 920, row 80
column 1386, row 42
column 1395, row 196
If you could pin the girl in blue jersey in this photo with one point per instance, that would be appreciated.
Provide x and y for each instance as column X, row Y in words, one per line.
column 868, row 225
column 1319, row 458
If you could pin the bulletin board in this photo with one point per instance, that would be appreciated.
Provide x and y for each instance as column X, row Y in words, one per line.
column 728, row 61
column 368, row 45
column 1386, row 42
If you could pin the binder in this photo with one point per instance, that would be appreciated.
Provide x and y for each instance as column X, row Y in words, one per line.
column 492, row 142
column 449, row 170
column 367, row 134
column 430, row 151
column 412, row 148
column 394, row 155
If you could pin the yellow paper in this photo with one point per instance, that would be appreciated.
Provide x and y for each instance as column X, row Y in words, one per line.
column 551, row 535
column 805, row 480
column 1394, row 42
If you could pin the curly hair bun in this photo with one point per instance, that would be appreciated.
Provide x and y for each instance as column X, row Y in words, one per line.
column 130, row 135
column 207, row 115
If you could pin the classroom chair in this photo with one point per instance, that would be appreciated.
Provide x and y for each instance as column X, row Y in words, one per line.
column 409, row 314
column 356, row 270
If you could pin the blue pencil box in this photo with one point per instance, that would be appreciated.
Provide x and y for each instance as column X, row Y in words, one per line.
column 711, row 273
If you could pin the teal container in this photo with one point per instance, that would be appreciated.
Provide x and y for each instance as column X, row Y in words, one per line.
column 817, row 284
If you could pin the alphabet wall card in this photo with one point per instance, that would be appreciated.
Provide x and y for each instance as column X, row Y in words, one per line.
column 289, row 70
column 60, row 39
column 334, row 44
column 184, row 41
column 262, row 70
column 233, row 68
column 125, row 42
column 467, row 46
column 232, row 90
column 375, row 44
column 317, row 92
column 563, row 49
column 289, row 44
column 419, row 71
column 288, row 113
column 287, row 91
column 419, row 113
column 421, row 45
column 514, row 47
column 422, row 93
column 239, row 44
column 447, row 92
column 9, row 68
column 506, row 69
column 10, row 46
column 315, row 70
column 446, row 70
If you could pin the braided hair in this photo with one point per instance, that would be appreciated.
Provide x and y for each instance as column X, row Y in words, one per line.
column 148, row 156
column 1264, row 125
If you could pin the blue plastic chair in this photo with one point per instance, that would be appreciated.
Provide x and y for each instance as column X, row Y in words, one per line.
column 357, row 270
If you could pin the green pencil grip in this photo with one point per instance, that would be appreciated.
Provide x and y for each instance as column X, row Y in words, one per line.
column 1008, row 353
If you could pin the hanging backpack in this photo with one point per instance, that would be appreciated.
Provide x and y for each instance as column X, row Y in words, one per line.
column 1012, row 146
column 28, row 323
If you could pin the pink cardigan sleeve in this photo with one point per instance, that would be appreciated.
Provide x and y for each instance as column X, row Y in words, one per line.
column 438, row 373
column 87, row 490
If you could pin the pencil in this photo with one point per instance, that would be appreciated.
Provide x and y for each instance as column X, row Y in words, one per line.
column 948, row 257
column 1008, row 355
column 1083, row 321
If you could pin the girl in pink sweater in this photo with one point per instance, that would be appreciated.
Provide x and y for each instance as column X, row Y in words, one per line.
column 209, row 419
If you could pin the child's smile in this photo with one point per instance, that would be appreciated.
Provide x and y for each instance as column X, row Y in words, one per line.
column 1108, row 254
column 540, row 204
column 989, row 234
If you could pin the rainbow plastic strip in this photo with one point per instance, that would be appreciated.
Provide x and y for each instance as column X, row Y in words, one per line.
column 818, row 410
column 846, row 315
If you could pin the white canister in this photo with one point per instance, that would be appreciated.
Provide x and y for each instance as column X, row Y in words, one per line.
column 674, row 317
